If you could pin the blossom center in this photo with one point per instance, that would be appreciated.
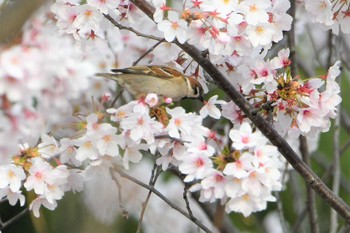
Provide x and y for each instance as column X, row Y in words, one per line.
column 259, row 30
column 199, row 162
column 178, row 122
column 245, row 140
column 175, row 25
column 253, row 8
column 140, row 121
column 38, row 175
column 107, row 138
column 11, row 174
column 88, row 13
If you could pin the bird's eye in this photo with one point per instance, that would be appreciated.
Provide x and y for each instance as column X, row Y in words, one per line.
column 197, row 91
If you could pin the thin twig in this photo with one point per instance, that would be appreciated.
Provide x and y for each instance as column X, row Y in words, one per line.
column 147, row 52
column 226, row 225
column 311, row 203
column 298, row 204
column 330, row 48
column 291, row 41
column 310, row 195
column 301, row 217
column 118, row 94
column 309, row 176
column 333, row 226
column 115, row 179
column 152, row 181
column 279, row 201
column 313, row 44
column 122, row 27
column 188, row 207
column 280, row 213
column 344, row 148
column 166, row 136
column 320, row 159
column 166, row 200
column 345, row 120
column 4, row 225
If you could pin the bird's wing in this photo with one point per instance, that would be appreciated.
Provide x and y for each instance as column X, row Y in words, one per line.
column 155, row 71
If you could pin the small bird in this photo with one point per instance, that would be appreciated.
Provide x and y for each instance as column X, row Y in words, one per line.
column 161, row 80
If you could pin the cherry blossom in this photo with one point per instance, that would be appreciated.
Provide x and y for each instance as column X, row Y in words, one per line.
column 244, row 137
column 210, row 109
column 104, row 5
column 173, row 27
column 11, row 176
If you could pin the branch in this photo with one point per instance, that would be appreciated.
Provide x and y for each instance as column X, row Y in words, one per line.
column 311, row 203
column 336, row 165
column 155, row 174
column 208, row 208
column 147, row 52
column 166, row 200
column 309, row 176
column 4, row 225
column 121, row 27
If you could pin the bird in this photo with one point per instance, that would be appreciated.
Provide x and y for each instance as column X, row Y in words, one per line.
column 161, row 80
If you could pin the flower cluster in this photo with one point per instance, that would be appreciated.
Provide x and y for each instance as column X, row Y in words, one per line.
column 332, row 14
column 295, row 106
column 244, row 178
column 225, row 27
column 118, row 137
column 42, row 73
column 31, row 170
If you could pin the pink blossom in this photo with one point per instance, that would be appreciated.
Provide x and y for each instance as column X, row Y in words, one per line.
column 104, row 5
column 243, row 137
column 11, row 176
column 39, row 176
column 195, row 166
column 282, row 60
column 213, row 187
column 13, row 197
column 173, row 27
column 241, row 167
column 38, row 202
column 256, row 11
column 210, row 109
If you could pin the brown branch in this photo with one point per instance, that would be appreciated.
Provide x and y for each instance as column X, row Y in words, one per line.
column 309, row 176
column 121, row 27
column 188, row 207
column 166, row 200
column 147, row 52
column 4, row 225
column 155, row 174
column 345, row 120
column 334, row 223
column 125, row 213
column 226, row 225
column 291, row 41
column 310, row 195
